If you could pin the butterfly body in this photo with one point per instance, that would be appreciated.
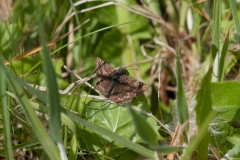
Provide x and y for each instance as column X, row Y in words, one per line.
column 117, row 74
column 114, row 84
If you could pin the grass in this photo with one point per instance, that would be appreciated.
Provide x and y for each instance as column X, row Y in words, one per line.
column 185, row 51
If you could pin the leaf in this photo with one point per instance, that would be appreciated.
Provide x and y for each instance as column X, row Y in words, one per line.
column 237, row 37
column 181, row 98
column 216, row 28
column 223, row 56
column 225, row 99
column 235, row 150
column 167, row 149
column 203, row 109
column 117, row 118
column 109, row 116
column 5, row 118
column 231, row 115
column 234, row 11
column 225, row 95
column 54, row 108
column 143, row 128
column 107, row 48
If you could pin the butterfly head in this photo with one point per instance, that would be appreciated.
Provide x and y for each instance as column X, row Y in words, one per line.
column 121, row 70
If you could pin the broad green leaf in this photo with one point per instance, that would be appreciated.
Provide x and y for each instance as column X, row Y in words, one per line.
column 117, row 118
column 107, row 48
column 231, row 115
column 225, row 99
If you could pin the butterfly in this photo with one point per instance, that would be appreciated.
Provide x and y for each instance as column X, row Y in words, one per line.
column 114, row 84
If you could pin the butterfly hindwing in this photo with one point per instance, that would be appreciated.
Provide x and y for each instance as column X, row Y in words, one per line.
column 127, row 89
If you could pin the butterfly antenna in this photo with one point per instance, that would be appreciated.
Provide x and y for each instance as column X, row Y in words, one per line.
column 133, row 69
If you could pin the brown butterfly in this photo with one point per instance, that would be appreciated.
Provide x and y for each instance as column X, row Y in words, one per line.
column 114, row 84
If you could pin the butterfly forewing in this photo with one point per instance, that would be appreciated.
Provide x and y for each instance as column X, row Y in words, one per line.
column 103, row 69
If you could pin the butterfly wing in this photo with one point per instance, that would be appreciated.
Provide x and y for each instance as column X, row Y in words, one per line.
column 103, row 69
column 101, row 84
column 103, row 81
column 126, row 89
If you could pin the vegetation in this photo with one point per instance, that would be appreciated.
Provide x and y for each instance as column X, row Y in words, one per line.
column 187, row 52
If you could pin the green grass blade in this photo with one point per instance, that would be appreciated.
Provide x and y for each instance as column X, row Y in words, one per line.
column 196, row 17
column 182, row 18
column 236, row 20
column 216, row 27
column 202, row 109
column 23, row 145
column 74, row 140
column 181, row 98
column 233, row 8
column 215, row 44
column 52, row 90
column 6, row 118
column 223, row 57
